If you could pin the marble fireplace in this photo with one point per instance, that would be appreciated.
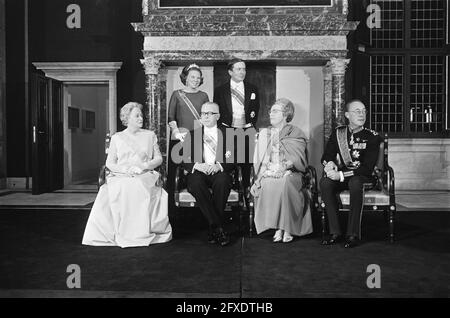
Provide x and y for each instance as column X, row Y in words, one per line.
column 307, row 44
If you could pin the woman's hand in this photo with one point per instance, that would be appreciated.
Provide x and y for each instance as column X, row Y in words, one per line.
column 134, row 170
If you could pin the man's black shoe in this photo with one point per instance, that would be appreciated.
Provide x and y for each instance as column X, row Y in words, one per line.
column 222, row 238
column 212, row 237
column 351, row 242
column 331, row 240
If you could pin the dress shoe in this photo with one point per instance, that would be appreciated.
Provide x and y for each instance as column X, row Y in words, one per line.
column 222, row 238
column 287, row 237
column 331, row 240
column 212, row 237
column 278, row 237
column 351, row 242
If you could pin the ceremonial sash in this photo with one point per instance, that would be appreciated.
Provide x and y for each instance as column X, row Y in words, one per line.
column 341, row 135
column 211, row 143
column 189, row 104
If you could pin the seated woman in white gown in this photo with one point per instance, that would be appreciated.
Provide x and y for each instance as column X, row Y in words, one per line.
column 281, row 202
column 130, row 209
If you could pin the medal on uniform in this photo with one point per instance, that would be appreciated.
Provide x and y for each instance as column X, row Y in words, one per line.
column 352, row 141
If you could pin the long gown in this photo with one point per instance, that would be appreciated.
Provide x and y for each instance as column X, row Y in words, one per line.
column 281, row 202
column 130, row 211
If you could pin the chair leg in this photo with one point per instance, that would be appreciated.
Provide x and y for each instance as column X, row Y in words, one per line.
column 391, row 225
column 323, row 220
column 251, row 218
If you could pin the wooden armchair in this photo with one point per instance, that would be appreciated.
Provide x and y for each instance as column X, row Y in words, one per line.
column 309, row 183
column 104, row 171
column 235, row 200
column 380, row 197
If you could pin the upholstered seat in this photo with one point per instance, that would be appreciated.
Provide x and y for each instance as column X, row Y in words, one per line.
column 185, row 199
column 372, row 197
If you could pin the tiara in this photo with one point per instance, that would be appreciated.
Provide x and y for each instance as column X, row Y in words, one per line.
column 191, row 66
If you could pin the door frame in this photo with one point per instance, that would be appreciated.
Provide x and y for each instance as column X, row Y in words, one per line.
column 79, row 72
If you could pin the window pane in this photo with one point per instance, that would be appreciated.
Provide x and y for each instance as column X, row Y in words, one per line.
column 390, row 35
column 427, row 23
column 426, row 113
column 386, row 93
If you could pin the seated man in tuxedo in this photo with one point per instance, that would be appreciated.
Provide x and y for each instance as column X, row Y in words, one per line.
column 207, row 169
column 357, row 148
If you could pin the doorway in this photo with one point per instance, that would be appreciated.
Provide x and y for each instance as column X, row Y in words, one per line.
column 85, row 121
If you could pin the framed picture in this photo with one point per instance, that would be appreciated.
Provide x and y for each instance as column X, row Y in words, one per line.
column 74, row 118
column 88, row 120
column 166, row 4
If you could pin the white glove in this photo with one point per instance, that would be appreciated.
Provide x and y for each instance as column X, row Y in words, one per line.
column 180, row 136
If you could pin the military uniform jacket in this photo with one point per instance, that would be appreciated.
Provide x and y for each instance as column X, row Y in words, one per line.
column 363, row 146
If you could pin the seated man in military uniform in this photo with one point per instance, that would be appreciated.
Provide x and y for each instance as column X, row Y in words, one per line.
column 357, row 148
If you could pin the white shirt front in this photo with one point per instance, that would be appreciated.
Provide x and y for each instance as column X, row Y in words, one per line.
column 238, row 108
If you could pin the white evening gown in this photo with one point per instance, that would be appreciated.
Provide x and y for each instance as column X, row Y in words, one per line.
column 129, row 211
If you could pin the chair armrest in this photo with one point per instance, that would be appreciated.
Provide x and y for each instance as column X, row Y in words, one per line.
column 178, row 175
column 252, row 175
column 391, row 180
column 162, row 180
column 240, row 184
column 312, row 178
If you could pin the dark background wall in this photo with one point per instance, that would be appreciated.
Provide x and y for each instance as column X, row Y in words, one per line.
column 2, row 98
column 106, row 35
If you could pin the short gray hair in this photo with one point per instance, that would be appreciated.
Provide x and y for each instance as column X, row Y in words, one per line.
column 126, row 110
column 288, row 108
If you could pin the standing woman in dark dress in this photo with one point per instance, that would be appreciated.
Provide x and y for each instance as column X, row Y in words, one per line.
column 185, row 104
column 184, row 109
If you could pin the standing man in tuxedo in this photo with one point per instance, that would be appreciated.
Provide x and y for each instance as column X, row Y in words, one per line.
column 238, row 101
column 207, row 168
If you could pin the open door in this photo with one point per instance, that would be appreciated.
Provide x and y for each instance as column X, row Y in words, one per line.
column 47, row 134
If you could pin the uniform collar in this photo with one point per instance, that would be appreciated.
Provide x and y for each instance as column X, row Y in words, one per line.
column 356, row 130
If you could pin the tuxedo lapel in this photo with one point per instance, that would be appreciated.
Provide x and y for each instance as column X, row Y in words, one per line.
column 227, row 98
column 248, row 94
column 220, row 142
column 198, row 148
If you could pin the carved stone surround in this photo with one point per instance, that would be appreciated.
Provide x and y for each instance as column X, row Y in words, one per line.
column 297, row 36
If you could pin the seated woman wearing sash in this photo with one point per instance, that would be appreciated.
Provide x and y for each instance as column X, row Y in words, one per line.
column 281, row 202
column 130, row 208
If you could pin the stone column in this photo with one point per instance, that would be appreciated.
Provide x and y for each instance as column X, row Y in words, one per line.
column 152, row 66
column 156, row 104
column 327, row 102
column 338, row 67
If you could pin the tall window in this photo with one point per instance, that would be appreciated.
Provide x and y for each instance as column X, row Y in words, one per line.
column 409, row 66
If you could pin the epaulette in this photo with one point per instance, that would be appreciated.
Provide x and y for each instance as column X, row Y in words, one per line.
column 372, row 131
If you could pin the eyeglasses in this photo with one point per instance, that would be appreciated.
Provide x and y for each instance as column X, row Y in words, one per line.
column 275, row 111
column 359, row 112
column 208, row 113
